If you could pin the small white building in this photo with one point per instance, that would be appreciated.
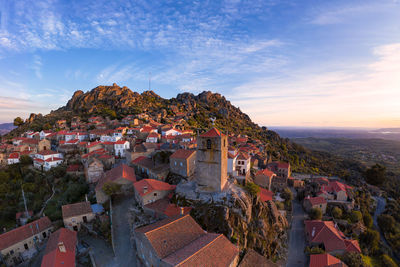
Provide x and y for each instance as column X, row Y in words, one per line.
column 120, row 148
column 152, row 138
column 43, row 134
column 232, row 164
column 13, row 158
column 170, row 131
column 47, row 159
column 243, row 164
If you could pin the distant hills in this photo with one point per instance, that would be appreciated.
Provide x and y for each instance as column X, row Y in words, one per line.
column 6, row 128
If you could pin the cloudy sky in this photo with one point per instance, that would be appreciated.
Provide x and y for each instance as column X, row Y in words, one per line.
column 285, row 63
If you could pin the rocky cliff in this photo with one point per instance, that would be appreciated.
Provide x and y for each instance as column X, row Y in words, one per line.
column 246, row 221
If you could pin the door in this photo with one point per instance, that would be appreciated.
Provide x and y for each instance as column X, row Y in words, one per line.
column 84, row 219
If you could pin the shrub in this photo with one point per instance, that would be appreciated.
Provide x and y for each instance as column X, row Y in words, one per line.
column 252, row 188
column 316, row 214
column 337, row 212
column 388, row 261
column 355, row 216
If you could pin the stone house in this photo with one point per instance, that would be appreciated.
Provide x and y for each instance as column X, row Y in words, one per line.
column 60, row 249
column 163, row 208
column 122, row 175
column 76, row 214
column 310, row 203
column 264, row 178
column 182, row 162
column 94, row 170
column 150, row 190
column 148, row 168
column 19, row 244
column 281, row 169
column 184, row 243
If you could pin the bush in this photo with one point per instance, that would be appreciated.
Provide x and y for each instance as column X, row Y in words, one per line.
column 111, row 188
column 355, row 216
column 252, row 188
column 353, row 259
column 316, row 214
column 337, row 212
column 367, row 218
column 376, row 175
column 387, row 223
column 314, row 250
column 370, row 240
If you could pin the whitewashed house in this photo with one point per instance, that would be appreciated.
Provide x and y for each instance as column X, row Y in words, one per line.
column 120, row 148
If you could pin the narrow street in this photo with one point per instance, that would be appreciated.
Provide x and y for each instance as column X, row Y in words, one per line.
column 297, row 241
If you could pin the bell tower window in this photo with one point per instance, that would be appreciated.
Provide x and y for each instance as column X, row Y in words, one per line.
column 208, row 144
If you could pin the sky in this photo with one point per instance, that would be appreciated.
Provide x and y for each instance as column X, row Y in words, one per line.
column 284, row 63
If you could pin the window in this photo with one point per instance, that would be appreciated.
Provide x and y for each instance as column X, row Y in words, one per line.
column 26, row 246
column 181, row 164
column 208, row 143
column 11, row 252
column 175, row 163
column 44, row 234
column 155, row 194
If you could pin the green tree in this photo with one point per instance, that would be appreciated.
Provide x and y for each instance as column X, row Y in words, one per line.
column 18, row 121
column 353, row 259
column 387, row 223
column 388, row 261
column 337, row 212
column 25, row 160
column 316, row 214
column 367, row 218
column 370, row 240
column 376, row 175
column 111, row 188
column 252, row 188
column 355, row 216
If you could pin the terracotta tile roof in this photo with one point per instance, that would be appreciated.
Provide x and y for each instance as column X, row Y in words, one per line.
column 213, row 132
column 208, row 250
column 325, row 260
column 165, row 207
column 47, row 152
column 122, row 171
column 265, row 194
column 151, row 185
column 21, row 233
column 252, row 259
column 72, row 210
column 182, row 154
column 120, row 142
column 316, row 200
column 326, row 233
column 53, row 256
column 92, row 144
column 152, row 134
column 231, row 156
column 14, row 155
column 352, row 245
column 243, row 156
column 265, row 172
column 139, row 159
column 171, row 234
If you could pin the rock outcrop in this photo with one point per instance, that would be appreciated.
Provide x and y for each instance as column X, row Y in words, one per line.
column 246, row 221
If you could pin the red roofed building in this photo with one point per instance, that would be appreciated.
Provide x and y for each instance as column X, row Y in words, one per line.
column 264, row 178
column 152, row 137
column 180, row 241
column 13, row 158
column 182, row 162
column 334, row 190
column 325, row 233
column 60, row 249
column 265, row 195
column 162, row 208
column 325, row 260
column 122, row 175
column 76, row 214
column 19, row 244
column 150, row 190
column 310, row 203
column 214, row 132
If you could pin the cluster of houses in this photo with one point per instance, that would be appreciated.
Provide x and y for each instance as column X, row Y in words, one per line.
column 131, row 158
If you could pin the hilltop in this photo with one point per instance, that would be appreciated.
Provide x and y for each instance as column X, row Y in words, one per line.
column 197, row 112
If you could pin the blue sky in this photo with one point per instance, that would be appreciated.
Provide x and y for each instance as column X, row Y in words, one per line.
column 285, row 63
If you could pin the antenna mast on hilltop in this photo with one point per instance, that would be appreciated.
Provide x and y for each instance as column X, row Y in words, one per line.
column 149, row 81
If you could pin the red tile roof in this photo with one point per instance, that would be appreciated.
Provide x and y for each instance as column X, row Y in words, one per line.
column 252, row 259
column 47, row 152
column 151, row 185
column 153, row 134
column 325, row 260
column 53, row 256
column 315, row 200
column 72, row 210
column 352, row 245
column 265, row 194
column 21, row 233
column 265, row 172
column 14, row 155
column 213, row 132
column 122, row 171
column 182, row 154
column 169, row 209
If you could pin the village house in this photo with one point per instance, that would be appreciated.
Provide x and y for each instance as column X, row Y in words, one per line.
column 334, row 191
column 60, row 249
column 264, row 178
column 94, row 170
column 325, row 260
column 62, row 124
column 13, row 158
column 120, row 148
column 163, row 208
column 19, row 244
column 232, row 158
column 47, row 159
column 170, row 131
column 122, row 175
column 76, row 214
column 44, row 133
column 326, row 234
column 184, row 243
column 310, row 203
column 253, row 259
column 152, row 138
column 147, row 168
column 182, row 162
column 281, row 169
column 75, row 169
column 150, row 190
column 265, row 195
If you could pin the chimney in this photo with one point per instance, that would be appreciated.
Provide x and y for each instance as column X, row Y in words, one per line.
column 145, row 189
column 181, row 210
column 61, row 247
column 313, row 232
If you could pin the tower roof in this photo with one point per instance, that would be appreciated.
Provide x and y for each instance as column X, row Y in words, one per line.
column 213, row 132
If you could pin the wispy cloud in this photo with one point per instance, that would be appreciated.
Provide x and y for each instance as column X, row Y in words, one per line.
column 37, row 66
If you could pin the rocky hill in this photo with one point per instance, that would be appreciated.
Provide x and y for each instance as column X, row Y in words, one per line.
column 198, row 112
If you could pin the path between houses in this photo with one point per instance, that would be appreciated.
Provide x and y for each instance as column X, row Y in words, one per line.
column 297, row 239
